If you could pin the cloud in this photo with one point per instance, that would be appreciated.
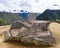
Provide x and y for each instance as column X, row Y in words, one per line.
column 28, row 5
column 3, row 7
column 10, row 4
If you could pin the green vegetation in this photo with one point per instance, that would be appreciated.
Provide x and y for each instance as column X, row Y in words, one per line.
column 51, row 15
column 2, row 22
column 8, row 18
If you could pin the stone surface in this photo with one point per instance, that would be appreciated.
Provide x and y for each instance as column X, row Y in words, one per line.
column 36, row 33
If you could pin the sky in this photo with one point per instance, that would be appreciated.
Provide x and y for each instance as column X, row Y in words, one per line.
column 34, row 6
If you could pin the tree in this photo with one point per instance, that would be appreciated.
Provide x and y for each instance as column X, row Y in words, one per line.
column 2, row 22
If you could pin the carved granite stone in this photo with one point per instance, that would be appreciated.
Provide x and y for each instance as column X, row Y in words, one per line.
column 35, row 33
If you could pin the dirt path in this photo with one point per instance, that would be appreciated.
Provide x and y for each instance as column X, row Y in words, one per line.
column 54, row 27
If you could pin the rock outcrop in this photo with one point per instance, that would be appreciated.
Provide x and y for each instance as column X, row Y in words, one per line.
column 36, row 33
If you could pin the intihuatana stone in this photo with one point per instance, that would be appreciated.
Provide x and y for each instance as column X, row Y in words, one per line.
column 35, row 33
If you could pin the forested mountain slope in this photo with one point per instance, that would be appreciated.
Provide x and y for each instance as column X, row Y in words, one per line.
column 9, row 18
column 51, row 15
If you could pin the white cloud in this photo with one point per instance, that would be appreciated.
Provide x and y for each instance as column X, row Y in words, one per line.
column 29, row 5
column 3, row 7
column 10, row 4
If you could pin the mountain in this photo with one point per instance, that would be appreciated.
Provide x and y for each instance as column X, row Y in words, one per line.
column 48, row 14
column 25, row 16
column 9, row 18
